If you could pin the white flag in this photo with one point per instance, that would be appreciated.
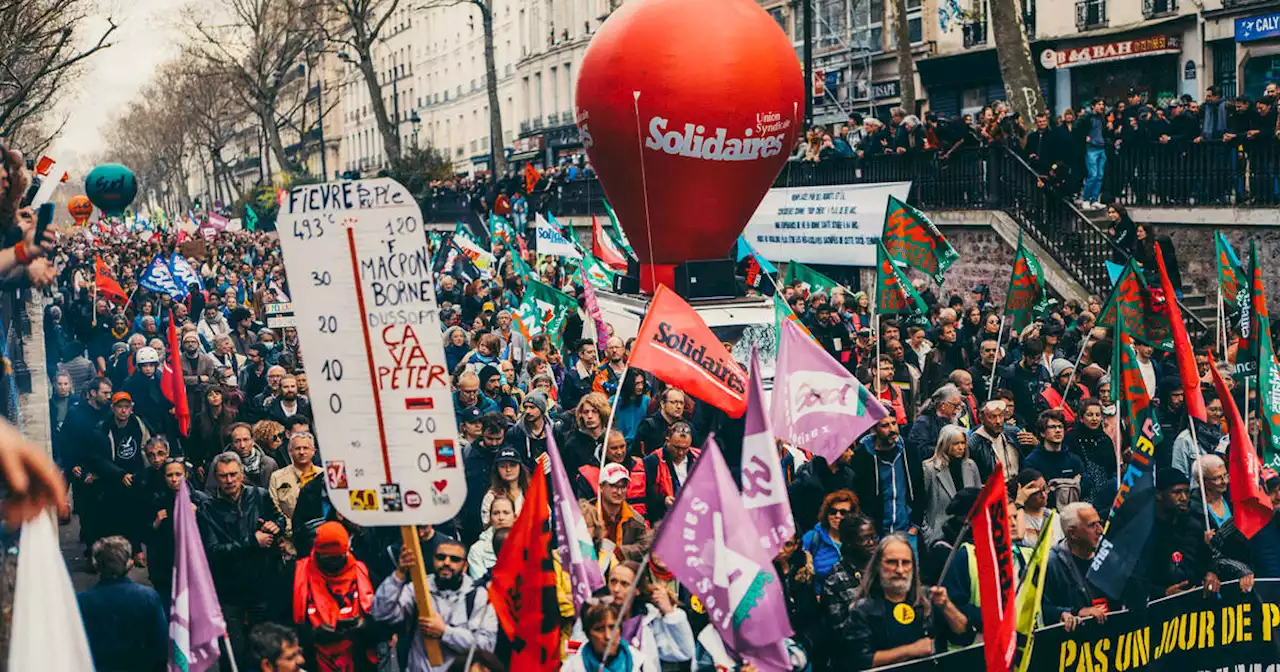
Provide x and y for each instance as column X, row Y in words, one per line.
column 553, row 243
column 48, row 633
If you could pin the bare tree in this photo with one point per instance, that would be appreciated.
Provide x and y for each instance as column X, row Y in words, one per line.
column 1021, row 86
column 485, row 7
column 259, row 46
column 355, row 26
column 152, row 137
column 40, row 58
column 906, row 67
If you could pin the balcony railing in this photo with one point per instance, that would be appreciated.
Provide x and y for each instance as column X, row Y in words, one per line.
column 1156, row 8
column 975, row 33
column 1203, row 173
column 1091, row 14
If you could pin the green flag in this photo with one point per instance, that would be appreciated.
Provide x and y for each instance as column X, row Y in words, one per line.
column 619, row 236
column 543, row 310
column 817, row 282
column 501, row 229
column 1253, row 315
column 599, row 275
column 250, row 219
column 1135, row 309
column 433, row 241
column 783, row 313
column 1268, row 398
column 522, row 267
column 911, row 238
column 1231, row 275
column 894, row 293
column 1026, row 297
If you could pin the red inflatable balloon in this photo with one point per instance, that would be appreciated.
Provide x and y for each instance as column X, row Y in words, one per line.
column 688, row 109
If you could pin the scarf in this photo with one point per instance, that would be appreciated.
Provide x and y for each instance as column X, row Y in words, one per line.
column 621, row 662
column 119, row 335
column 327, row 601
column 253, row 463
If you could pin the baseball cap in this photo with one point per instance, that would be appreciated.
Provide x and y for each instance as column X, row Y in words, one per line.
column 121, row 396
column 487, row 307
column 614, row 474
column 469, row 415
column 507, row 455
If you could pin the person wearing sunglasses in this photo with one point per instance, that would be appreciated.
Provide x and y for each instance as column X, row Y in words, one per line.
column 822, row 543
column 461, row 617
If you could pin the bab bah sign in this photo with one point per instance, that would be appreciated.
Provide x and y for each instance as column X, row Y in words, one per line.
column 1258, row 27
column 822, row 225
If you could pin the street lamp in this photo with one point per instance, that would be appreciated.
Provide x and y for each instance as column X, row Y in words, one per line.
column 417, row 123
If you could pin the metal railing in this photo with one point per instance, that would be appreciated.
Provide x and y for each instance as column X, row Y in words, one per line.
column 959, row 181
column 1190, row 174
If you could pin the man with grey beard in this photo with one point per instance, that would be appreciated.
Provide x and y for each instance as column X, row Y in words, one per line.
column 895, row 619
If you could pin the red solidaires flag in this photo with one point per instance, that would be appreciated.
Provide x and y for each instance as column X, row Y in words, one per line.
column 997, row 581
column 1250, row 505
column 523, row 589
column 675, row 345
column 1182, row 345
column 172, row 384
column 107, row 285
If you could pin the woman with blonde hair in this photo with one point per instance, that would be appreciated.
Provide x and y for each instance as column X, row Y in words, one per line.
column 586, row 440
column 950, row 469
column 270, row 436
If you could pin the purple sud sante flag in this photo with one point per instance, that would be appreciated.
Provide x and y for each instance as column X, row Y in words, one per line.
column 763, row 489
column 711, row 545
column 817, row 404
column 577, row 553
column 195, row 617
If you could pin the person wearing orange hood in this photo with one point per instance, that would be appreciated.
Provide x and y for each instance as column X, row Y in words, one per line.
column 332, row 601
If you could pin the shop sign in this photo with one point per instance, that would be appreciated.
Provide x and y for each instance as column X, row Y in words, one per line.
column 1258, row 27
column 1112, row 51
column 529, row 144
column 819, row 82
column 889, row 89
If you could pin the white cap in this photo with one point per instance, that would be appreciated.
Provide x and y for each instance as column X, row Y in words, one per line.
column 147, row 356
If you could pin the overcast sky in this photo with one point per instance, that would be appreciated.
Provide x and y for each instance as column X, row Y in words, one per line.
column 147, row 36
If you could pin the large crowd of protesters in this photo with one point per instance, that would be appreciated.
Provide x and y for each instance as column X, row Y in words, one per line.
column 874, row 527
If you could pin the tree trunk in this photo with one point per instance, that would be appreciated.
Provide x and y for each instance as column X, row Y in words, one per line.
column 496, row 147
column 267, row 117
column 906, row 70
column 390, row 131
column 1021, row 86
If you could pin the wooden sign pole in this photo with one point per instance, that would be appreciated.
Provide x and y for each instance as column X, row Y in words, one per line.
column 409, row 535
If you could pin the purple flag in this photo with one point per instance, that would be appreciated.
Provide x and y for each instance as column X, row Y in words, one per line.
column 577, row 553
column 593, row 309
column 195, row 617
column 763, row 489
column 709, row 542
column 817, row 404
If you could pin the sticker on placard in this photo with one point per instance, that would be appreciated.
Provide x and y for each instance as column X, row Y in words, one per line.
column 364, row 500
column 336, row 470
column 412, row 499
column 391, row 497
column 438, row 497
column 446, row 454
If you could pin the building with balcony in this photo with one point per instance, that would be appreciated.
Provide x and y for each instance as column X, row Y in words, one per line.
column 1242, row 45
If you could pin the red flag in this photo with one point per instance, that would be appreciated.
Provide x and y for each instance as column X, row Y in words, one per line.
column 1182, row 345
column 107, row 285
column 531, row 177
column 523, row 588
column 172, row 384
column 675, row 345
column 989, row 520
column 1250, row 506
column 183, row 236
column 602, row 247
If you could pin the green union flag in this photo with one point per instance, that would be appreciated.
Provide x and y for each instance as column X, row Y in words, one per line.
column 817, row 282
column 1268, row 398
column 1138, row 310
column 894, row 293
column 1253, row 314
column 1231, row 275
column 543, row 310
column 1025, row 299
column 911, row 238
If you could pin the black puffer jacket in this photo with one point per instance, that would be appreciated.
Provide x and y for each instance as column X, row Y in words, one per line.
column 815, row 480
column 1098, row 452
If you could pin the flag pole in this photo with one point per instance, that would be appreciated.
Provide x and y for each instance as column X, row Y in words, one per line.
column 613, row 412
column 954, row 547
column 231, row 654
column 1074, row 369
column 626, row 608
column 421, row 593
column 1191, row 426
column 991, row 388
column 1221, row 326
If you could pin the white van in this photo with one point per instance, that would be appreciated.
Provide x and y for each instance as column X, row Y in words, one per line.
column 742, row 321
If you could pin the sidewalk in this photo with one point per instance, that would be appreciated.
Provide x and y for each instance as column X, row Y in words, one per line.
column 76, row 557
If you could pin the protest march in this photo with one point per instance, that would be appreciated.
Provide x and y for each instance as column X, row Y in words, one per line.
column 721, row 419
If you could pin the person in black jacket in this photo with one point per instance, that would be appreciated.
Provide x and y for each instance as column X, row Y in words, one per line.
column 896, row 619
column 241, row 529
column 814, row 480
column 1068, row 597
column 1026, row 378
column 941, row 410
column 888, row 482
column 652, row 432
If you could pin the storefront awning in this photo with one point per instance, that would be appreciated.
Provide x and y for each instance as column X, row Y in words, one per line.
column 972, row 66
column 525, row 156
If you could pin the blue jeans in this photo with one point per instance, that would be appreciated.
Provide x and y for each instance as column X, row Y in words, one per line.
column 1095, row 161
